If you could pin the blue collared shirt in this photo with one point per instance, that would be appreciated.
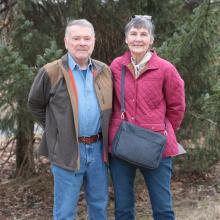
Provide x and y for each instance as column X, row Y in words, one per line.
column 89, row 114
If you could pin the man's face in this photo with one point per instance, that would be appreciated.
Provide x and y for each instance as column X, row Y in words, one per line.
column 80, row 42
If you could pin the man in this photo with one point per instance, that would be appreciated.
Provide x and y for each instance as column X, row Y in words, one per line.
column 72, row 99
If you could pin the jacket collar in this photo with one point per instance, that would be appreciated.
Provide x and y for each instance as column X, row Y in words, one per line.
column 64, row 60
column 98, row 66
column 151, row 64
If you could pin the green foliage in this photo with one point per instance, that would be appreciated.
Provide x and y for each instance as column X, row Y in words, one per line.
column 18, row 64
column 212, row 100
column 28, row 40
column 15, row 82
column 201, row 155
column 186, row 34
column 192, row 49
column 49, row 55
column 108, row 17
column 212, row 105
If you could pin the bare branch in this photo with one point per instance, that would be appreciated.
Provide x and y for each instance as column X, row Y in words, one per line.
column 204, row 119
column 8, row 6
column 11, row 152
column 25, row 159
column 6, row 145
column 5, row 12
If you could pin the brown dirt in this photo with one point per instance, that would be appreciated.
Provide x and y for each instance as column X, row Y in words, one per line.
column 195, row 197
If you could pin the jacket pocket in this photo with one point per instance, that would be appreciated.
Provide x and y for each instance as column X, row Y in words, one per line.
column 160, row 128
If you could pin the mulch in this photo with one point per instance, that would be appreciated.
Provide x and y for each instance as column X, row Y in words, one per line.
column 32, row 198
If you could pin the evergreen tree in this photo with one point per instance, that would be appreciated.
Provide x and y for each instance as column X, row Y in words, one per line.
column 18, row 64
column 15, row 81
column 193, row 50
column 186, row 34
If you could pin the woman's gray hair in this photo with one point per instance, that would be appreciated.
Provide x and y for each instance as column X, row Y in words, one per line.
column 140, row 21
column 79, row 22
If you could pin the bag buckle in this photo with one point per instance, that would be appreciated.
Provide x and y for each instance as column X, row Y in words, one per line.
column 123, row 115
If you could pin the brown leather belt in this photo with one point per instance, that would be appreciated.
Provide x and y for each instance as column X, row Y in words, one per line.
column 90, row 140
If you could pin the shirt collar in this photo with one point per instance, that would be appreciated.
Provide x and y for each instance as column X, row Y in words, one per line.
column 140, row 66
column 73, row 65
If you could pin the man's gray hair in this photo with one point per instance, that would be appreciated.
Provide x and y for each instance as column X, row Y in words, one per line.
column 140, row 21
column 80, row 22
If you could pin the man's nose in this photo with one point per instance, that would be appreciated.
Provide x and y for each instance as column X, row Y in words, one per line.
column 82, row 41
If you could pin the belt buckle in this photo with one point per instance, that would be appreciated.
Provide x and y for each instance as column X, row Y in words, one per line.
column 97, row 137
column 84, row 139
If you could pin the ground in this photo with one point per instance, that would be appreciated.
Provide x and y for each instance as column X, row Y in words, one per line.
column 195, row 197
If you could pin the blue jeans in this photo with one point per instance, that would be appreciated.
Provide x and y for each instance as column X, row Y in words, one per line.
column 94, row 178
column 158, row 184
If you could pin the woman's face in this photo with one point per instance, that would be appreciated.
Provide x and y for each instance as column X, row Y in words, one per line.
column 138, row 41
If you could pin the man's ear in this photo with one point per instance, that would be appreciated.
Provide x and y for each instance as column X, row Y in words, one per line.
column 65, row 42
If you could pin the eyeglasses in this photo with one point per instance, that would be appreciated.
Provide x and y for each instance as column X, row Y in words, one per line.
column 148, row 17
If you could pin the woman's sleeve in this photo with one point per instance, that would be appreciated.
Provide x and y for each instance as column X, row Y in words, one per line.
column 175, row 97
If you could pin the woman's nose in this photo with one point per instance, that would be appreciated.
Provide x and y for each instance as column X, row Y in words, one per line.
column 138, row 37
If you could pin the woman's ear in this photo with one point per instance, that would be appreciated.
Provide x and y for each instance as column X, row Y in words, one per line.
column 151, row 41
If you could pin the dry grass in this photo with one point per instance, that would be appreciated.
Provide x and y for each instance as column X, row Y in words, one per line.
column 207, row 209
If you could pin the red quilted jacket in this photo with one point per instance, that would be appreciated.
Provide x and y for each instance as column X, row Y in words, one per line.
column 156, row 95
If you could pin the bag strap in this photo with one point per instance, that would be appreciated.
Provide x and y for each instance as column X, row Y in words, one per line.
column 123, row 92
column 123, row 98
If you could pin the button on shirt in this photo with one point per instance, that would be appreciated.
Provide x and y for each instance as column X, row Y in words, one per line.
column 89, row 115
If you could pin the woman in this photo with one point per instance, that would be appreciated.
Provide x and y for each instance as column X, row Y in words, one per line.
column 154, row 93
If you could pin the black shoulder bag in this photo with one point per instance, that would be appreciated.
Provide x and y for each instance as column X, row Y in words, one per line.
column 137, row 145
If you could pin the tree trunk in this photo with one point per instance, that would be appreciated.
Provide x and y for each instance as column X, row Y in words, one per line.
column 24, row 148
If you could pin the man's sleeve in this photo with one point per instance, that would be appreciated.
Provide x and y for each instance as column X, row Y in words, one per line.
column 39, row 96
